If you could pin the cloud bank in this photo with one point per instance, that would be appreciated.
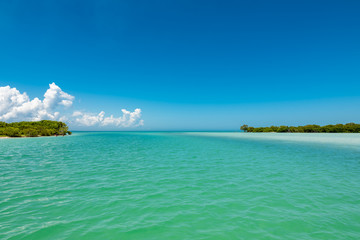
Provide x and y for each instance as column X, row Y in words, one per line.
column 128, row 119
column 16, row 106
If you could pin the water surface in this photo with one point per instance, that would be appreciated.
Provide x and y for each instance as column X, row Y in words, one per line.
column 134, row 185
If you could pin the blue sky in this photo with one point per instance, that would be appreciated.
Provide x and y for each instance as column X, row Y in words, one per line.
column 189, row 65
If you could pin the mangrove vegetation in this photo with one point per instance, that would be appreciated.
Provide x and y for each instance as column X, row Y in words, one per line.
column 337, row 128
column 33, row 129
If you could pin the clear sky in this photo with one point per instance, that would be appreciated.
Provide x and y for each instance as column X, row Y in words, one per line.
column 189, row 65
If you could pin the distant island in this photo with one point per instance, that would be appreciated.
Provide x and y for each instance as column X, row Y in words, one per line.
column 338, row 128
column 33, row 129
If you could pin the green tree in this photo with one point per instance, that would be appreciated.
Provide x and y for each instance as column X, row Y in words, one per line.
column 63, row 130
column 283, row 129
column 338, row 128
column 33, row 129
column 12, row 132
column 31, row 132
column 244, row 128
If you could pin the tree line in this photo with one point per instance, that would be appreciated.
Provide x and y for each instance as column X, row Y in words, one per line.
column 34, row 129
column 337, row 128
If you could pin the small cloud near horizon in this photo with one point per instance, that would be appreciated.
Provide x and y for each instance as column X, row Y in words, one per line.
column 16, row 106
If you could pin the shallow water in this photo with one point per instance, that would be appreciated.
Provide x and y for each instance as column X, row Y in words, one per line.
column 133, row 185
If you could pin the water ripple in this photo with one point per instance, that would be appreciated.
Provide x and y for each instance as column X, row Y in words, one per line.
column 178, row 186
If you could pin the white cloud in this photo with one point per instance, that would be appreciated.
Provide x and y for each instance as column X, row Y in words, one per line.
column 16, row 106
column 128, row 119
column 54, row 96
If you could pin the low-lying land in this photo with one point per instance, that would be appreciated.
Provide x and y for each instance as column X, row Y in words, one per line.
column 33, row 129
column 338, row 128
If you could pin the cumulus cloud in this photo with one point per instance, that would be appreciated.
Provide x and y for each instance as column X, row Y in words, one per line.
column 16, row 106
column 128, row 119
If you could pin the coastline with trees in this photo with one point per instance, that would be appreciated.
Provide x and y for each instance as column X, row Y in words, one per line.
column 337, row 128
column 34, row 129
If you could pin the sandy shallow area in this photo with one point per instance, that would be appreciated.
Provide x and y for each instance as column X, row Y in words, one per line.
column 345, row 139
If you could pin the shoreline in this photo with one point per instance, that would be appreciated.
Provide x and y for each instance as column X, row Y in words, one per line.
column 4, row 137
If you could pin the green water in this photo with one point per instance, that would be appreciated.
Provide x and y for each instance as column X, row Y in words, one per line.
column 180, row 186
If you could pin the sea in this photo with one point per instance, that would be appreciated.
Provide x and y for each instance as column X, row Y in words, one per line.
column 180, row 185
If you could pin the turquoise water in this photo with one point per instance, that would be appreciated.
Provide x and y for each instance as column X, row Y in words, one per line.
column 112, row 185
